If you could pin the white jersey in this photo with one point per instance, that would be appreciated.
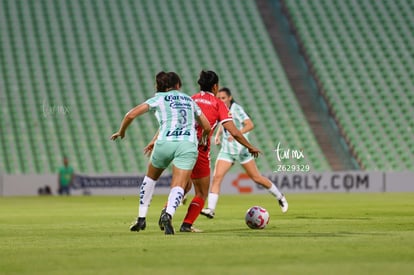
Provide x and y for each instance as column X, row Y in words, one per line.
column 176, row 113
column 239, row 116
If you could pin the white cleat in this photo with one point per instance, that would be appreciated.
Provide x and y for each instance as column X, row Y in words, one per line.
column 209, row 213
column 283, row 204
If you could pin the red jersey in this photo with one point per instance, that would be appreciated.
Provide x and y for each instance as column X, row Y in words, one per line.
column 213, row 109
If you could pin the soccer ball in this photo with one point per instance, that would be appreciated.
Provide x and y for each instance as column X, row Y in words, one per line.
column 257, row 217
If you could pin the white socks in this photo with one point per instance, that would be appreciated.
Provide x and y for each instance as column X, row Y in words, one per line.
column 174, row 199
column 212, row 200
column 275, row 192
column 145, row 196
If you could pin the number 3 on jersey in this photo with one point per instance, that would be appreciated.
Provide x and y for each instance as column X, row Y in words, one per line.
column 183, row 119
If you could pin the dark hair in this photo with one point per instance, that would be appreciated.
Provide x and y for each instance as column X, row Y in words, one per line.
column 167, row 81
column 207, row 80
column 174, row 80
column 163, row 82
column 228, row 93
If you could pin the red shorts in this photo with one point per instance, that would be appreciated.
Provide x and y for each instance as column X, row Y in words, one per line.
column 202, row 167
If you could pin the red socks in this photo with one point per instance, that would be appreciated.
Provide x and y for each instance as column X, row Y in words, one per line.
column 194, row 210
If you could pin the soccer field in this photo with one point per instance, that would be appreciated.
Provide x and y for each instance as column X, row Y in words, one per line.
column 321, row 234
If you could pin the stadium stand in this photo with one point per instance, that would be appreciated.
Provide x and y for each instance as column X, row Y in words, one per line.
column 69, row 70
column 361, row 55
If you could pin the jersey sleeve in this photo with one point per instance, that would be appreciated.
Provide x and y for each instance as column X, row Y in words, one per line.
column 224, row 112
column 197, row 109
column 242, row 113
column 152, row 102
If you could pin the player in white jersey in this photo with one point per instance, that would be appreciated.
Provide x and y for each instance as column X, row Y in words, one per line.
column 177, row 142
column 243, row 123
column 231, row 151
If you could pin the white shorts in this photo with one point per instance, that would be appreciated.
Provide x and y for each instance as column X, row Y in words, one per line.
column 242, row 157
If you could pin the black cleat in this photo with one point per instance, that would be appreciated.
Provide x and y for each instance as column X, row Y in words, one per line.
column 166, row 222
column 185, row 227
column 140, row 224
column 159, row 220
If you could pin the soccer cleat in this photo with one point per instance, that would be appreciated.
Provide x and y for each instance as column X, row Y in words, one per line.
column 166, row 222
column 189, row 228
column 283, row 204
column 159, row 220
column 209, row 213
column 140, row 224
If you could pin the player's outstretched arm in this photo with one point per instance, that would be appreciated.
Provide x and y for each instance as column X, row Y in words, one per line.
column 229, row 125
column 128, row 118
column 247, row 126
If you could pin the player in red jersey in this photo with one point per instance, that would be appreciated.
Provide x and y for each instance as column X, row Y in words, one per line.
column 216, row 112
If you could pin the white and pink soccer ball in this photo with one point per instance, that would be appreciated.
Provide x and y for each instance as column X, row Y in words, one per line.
column 257, row 217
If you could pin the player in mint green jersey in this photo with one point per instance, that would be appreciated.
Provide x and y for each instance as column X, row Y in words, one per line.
column 231, row 152
column 177, row 142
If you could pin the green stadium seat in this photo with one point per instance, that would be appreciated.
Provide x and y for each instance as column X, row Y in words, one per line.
column 371, row 56
column 100, row 58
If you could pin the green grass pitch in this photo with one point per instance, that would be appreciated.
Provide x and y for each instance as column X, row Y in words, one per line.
column 320, row 234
